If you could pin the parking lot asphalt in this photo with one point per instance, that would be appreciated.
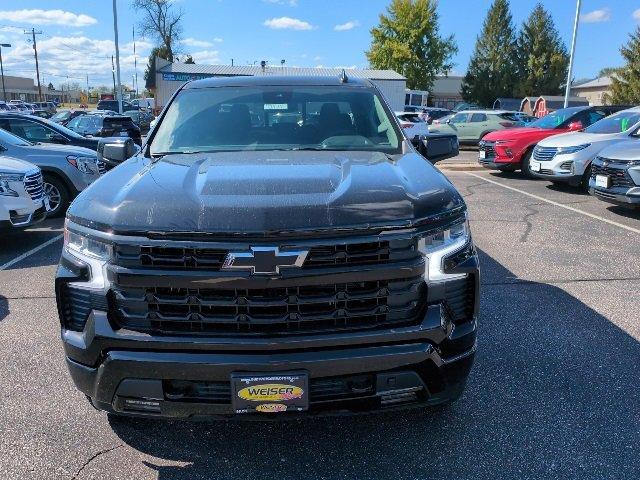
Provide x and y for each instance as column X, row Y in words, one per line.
column 554, row 393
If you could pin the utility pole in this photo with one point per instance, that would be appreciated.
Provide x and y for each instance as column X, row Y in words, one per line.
column 4, row 90
column 135, row 62
column 35, row 51
column 113, row 74
column 115, row 31
column 567, row 90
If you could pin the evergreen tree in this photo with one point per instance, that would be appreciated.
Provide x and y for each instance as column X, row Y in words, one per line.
column 625, row 86
column 542, row 58
column 408, row 41
column 189, row 60
column 491, row 72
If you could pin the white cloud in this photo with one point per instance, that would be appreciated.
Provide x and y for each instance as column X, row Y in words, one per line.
column 193, row 42
column 48, row 17
column 636, row 14
column 350, row 25
column 207, row 57
column 287, row 23
column 74, row 57
column 595, row 16
column 291, row 3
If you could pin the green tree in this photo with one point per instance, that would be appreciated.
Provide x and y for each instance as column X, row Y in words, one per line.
column 150, row 71
column 491, row 73
column 625, row 86
column 542, row 58
column 189, row 60
column 162, row 21
column 408, row 41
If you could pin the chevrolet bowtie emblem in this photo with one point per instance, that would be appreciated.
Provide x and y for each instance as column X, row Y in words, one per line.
column 264, row 260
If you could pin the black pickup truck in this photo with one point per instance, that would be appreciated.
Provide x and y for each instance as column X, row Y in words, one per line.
column 278, row 247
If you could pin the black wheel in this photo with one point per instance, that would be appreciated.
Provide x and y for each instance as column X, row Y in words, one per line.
column 58, row 196
column 525, row 164
column 584, row 182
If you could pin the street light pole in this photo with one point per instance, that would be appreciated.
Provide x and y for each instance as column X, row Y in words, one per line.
column 567, row 90
column 115, row 31
column 4, row 90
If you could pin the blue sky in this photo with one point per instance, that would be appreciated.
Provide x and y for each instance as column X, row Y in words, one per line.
column 77, row 35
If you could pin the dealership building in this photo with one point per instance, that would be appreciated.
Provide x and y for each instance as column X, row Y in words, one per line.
column 170, row 76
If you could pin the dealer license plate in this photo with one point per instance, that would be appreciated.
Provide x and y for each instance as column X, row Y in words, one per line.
column 603, row 181
column 270, row 393
column 482, row 154
column 123, row 134
column 535, row 166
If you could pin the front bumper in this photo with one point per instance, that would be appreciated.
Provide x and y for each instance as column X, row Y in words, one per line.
column 19, row 212
column 565, row 168
column 410, row 372
column 616, row 195
column 135, row 373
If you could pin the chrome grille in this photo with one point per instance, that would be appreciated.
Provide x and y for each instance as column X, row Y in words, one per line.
column 544, row 154
column 33, row 184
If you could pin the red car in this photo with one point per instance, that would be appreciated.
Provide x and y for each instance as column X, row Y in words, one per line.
column 508, row 150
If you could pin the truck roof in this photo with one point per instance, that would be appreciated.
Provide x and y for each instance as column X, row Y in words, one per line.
column 276, row 80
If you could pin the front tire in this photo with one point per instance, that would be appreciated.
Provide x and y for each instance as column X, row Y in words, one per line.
column 584, row 182
column 58, row 196
column 525, row 164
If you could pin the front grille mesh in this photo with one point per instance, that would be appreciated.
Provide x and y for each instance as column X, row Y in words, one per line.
column 196, row 258
column 33, row 184
column 619, row 177
column 488, row 148
column 544, row 154
column 270, row 311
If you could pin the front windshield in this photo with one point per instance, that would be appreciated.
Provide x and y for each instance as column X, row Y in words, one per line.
column 276, row 118
column 617, row 123
column 556, row 119
column 11, row 139
column 61, row 116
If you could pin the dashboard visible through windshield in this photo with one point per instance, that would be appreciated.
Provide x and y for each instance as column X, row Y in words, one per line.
column 276, row 118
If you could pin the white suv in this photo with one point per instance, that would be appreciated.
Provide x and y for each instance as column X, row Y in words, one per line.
column 567, row 158
column 22, row 198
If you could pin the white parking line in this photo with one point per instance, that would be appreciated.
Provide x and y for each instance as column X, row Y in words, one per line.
column 551, row 202
column 30, row 252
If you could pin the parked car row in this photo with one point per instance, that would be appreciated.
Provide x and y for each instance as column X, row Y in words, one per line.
column 595, row 148
column 471, row 126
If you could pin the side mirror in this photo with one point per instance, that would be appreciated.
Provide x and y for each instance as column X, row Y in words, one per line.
column 116, row 150
column 573, row 126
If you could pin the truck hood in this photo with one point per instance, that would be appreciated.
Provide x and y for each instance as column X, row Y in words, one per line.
column 13, row 165
column 519, row 132
column 577, row 138
column 626, row 151
column 259, row 192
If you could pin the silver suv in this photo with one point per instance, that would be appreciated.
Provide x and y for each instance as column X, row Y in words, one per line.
column 66, row 170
